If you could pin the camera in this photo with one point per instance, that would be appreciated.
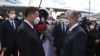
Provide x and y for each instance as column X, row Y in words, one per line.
column 85, row 23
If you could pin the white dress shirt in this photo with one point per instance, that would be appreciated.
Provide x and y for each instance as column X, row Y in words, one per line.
column 75, row 25
column 29, row 23
column 63, row 27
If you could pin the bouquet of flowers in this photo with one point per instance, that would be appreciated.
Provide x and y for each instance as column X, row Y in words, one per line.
column 41, row 27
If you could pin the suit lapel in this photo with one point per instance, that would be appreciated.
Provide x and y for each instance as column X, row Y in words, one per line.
column 75, row 29
column 16, row 24
column 71, row 33
column 32, row 31
column 9, row 25
column 68, row 35
column 61, row 28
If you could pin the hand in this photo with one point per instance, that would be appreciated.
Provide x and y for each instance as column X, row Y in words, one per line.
column 87, row 28
column 5, row 49
column 97, row 41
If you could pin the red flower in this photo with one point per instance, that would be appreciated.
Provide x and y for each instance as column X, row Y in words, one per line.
column 41, row 27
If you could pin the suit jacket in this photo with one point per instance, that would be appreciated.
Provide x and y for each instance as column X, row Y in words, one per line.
column 7, row 35
column 28, row 42
column 74, row 42
column 58, row 36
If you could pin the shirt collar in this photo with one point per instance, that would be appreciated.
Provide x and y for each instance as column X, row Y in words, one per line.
column 11, row 21
column 29, row 23
column 75, row 25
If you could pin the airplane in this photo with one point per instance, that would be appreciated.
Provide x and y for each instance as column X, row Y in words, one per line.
column 5, row 5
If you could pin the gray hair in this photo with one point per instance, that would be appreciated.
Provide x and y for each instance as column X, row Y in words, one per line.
column 73, row 14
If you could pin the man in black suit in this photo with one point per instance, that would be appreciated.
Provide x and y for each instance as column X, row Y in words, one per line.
column 29, row 44
column 7, row 34
column 59, row 34
column 75, row 40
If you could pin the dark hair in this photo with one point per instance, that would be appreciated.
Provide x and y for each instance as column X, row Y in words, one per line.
column 58, row 16
column 85, row 19
column 30, row 10
column 95, row 23
column 10, row 10
column 79, row 14
column 62, row 14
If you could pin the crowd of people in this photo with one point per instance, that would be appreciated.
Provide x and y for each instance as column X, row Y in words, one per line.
column 38, row 34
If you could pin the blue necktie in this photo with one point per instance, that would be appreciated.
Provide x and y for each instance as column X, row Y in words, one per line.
column 64, row 29
column 12, row 24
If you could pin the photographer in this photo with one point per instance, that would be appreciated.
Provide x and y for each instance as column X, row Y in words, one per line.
column 92, row 40
column 85, row 23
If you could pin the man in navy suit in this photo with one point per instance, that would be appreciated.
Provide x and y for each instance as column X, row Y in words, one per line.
column 7, row 34
column 75, row 40
column 59, row 34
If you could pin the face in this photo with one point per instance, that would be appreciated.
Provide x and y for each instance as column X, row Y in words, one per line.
column 34, row 15
column 62, row 16
column 92, row 26
column 71, row 17
column 37, row 20
column 68, row 17
column 49, row 21
column 58, row 17
column 21, row 14
column 93, row 23
column 12, row 15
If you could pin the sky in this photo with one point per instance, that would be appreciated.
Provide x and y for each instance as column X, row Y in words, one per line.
column 82, row 5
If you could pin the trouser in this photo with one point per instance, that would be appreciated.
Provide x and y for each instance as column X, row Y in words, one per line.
column 98, row 51
column 89, row 53
column 58, row 52
column 9, row 52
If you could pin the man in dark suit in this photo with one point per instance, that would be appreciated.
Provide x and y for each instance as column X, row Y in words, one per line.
column 7, row 34
column 59, row 34
column 75, row 40
column 29, row 44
